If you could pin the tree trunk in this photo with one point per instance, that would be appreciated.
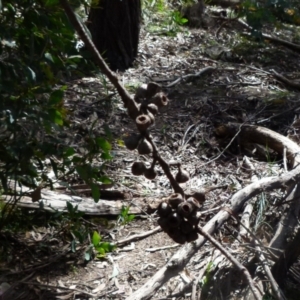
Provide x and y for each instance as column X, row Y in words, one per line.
column 115, row 26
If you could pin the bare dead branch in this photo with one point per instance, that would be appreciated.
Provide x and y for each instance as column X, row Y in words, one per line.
column 292, row 83
column 138, row 236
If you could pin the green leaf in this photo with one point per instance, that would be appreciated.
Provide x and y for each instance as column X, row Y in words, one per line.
column 95, row 192
column 84, row 172
column 104, row 179
column 70, row 207
column 125, row 210
column 106, row 156
column 96, row 238
column 56, row 97
column 130, row 218
column 52, row 2
column 69, row 152
column 103, row 144
column 108, row 247
column 100, row 250
column 11, row 8
column 55, row 116
column 121, row 143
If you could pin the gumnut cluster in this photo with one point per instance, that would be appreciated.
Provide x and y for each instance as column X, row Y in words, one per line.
column 150, row 99
column 178, row 218
column 178, row 215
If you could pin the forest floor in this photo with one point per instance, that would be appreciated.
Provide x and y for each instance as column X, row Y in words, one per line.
column 241, row 89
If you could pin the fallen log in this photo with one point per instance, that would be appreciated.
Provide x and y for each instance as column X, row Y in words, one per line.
column 54, row 201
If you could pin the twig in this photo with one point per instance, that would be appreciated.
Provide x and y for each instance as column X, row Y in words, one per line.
column 129, row 102
column 138, row 236
column 234, row 261
column 165, row 166
column 58, row 287
column 285, row 80
column 284, row 160
column 204, row 70
column 162, row 248
column 227, row 146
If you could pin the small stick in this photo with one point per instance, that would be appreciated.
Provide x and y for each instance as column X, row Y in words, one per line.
column 162, row 248
column 138, row 236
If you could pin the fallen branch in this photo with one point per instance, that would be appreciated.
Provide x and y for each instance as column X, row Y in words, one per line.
column 292, row 83
column 137, row 236
column 189, row 76
column 262, row 136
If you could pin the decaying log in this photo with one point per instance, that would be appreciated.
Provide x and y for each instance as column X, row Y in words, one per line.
column 180, row 259
column 54, row 201
column 263, row 136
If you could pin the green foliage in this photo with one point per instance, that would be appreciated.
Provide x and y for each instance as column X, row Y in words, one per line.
column 163, row 17
column 37, row 53
column 101, row 248
column 67, row 227
column 257, row 13
column 178, row 19
column 125, row 217
column 208, row 275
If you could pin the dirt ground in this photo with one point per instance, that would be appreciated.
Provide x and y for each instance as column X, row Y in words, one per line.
column 241, row 89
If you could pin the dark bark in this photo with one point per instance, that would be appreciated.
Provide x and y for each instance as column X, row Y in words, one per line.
column 115, row 26
column 286, row 260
